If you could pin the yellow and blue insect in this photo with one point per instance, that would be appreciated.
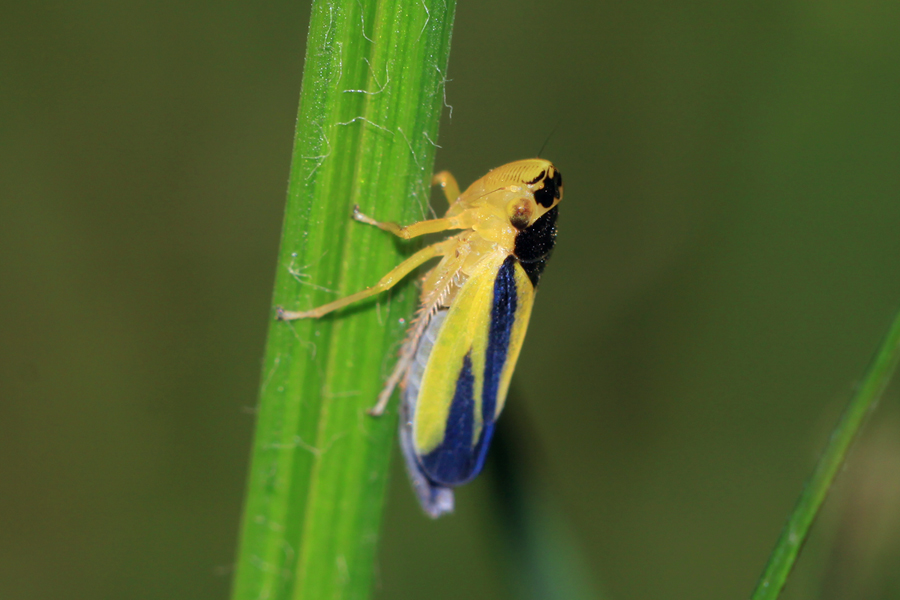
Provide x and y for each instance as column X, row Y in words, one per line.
column 456, row 363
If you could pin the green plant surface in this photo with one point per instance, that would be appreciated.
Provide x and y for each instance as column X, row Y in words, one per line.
column 794, row 534
column 371, row 99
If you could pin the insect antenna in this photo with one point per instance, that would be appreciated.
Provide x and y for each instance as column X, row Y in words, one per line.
column 549, row 135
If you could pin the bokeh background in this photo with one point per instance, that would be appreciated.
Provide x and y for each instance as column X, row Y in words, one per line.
column 728, row 261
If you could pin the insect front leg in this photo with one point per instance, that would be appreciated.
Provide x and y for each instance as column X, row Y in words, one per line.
column 464, row 220
column 387, row 282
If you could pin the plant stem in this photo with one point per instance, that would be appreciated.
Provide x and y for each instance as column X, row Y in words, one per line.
column 782, row 559
column 371, row 100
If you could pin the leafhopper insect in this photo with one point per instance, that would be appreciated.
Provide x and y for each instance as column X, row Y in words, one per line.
column 455, row 366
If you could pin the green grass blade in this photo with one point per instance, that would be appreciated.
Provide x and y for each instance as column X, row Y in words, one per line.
column 795, row 531
column 370, row 104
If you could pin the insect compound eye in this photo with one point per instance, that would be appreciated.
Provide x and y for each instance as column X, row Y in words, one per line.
column 519, row 212
column 551, row 191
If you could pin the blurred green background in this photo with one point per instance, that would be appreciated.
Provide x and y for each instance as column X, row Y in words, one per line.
column 727, row 263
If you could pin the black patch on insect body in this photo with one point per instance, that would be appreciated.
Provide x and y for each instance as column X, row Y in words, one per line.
column 534, row 245
column 550, row 192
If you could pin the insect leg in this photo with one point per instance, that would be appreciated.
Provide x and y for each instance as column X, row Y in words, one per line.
column 388, row 281
column 448, row 184
column 464, row 220
column 409, row 349
column 396, row 375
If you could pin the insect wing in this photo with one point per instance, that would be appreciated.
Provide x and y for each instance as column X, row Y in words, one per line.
column 467, row 377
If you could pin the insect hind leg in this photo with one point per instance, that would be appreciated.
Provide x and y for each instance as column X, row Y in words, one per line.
column 401, row 369
column 390, row 385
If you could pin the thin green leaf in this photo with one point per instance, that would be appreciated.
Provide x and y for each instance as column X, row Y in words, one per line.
column 370, row 105
column 795, row 531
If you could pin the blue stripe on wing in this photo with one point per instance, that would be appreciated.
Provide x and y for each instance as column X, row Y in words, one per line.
column 456, row 460
column 503, row 316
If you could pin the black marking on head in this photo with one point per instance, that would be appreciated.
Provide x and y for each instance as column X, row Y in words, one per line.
column 557, row 182
column 536, row 179
column 534, row 245
column 550, row 192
